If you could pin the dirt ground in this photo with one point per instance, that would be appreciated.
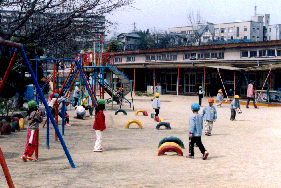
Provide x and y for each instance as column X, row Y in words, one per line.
column 243, row 153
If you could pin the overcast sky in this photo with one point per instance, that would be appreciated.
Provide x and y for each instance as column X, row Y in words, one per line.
column 163, row 14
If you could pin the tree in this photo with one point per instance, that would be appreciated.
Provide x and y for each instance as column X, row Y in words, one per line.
column 113, row 46
column 57, row 24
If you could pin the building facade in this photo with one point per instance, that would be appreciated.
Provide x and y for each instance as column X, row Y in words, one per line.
column 183, row 69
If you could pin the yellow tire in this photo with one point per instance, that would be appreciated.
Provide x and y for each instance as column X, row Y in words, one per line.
column 161, row 120
column 21, row 123
column 137, row 112
column 133, row 121
column 169, row 144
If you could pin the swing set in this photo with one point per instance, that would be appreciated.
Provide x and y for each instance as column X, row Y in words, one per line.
column 19, row 47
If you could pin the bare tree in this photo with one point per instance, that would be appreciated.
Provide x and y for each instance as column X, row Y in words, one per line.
column 56, row 23
column 195, row 21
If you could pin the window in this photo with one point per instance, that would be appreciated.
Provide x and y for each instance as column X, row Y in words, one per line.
column 207, row 55
column 269, row 29
column 258, row 28
column 147, row 58
column 169, row 57
column 278, row 52
column 245, row 29
column 270, row 52
column 262, row 53
column 159, row 58
column 214, row 55
column 245, row 37
column 200, row 56
column 244, row 53
column 152, row 58
column 118, row 59
column 253, row 53
column 230, row 29
column 221, row 55
column 130, row 58
column 193, row 56
column 222, row 30
column 186, row 56
column 237, row 31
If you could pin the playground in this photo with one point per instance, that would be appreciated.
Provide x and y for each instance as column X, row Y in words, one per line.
column 243, row 153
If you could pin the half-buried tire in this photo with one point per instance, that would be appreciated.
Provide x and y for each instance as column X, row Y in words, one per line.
column 172, row 139
column 165, row 149
column 120, row 110
column 163, row 124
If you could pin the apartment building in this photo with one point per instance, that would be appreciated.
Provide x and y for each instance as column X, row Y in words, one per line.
column 257, row 29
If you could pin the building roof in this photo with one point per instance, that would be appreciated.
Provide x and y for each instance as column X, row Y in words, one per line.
column 204, row 47
column 133, row 35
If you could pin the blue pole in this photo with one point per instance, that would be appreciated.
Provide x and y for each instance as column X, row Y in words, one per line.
column 47, row 109
column 36, row 79
column 103, row 83
column 48, row 133
column 63, row 116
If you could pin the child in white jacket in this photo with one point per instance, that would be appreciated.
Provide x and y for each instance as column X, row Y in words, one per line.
column 156, row 104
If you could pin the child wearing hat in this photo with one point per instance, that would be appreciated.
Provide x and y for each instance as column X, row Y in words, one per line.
column 99, row 124
column 67, row 102
column 76, row 94
column 86, row 105
column 200, row 94
column 195, row 132
column 210, row 116
column 156, row 103
column 219, row 97
column 234, row 106
column 34, row 117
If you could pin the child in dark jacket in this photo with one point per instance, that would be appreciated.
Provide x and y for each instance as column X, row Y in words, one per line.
column 99, row 124
column 34, row 118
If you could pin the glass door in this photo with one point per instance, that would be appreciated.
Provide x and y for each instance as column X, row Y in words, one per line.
column 171, row 82
column 190, row 83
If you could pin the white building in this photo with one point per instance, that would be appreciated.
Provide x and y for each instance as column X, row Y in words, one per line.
column 257, row 29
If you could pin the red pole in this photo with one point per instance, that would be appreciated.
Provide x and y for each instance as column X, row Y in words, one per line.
column 178, row 79
column 12, row 62
column 6, row 170
column 204, row 81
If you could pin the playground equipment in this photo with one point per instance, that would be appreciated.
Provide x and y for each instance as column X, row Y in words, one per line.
column 169, row 144
column 120, row 110
column 133, row 121
column 172, row 139
column 19, row 47
column 163, row 124
column 169, row 148
column 21, row 123
column 143, row 112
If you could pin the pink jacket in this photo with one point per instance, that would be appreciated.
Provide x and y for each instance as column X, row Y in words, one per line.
column 250, row 91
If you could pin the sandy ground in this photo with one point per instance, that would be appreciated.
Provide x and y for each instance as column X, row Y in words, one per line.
column 243, row 153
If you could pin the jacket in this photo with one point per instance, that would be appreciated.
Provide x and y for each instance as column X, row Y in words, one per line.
column 155, row 103
column 209, row 113
column 35, row 119
column 250, row 91
column 219, row 97
column 196, row 124
column 76, row 92
column 234, row 104
column 99, row 123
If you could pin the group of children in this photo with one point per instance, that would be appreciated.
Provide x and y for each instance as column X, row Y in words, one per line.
column 209, row 115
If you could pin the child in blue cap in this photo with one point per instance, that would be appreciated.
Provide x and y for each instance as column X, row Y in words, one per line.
column 195, row 132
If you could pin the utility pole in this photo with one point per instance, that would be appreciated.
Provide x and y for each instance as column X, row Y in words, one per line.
column 135, row 28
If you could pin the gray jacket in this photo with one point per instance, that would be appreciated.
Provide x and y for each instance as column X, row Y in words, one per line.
column 34, row 120
column 155, row 103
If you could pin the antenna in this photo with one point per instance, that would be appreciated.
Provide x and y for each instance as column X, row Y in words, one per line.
column 255, row 10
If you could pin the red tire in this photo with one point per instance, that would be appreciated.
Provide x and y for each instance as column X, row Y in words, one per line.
column 170, row 148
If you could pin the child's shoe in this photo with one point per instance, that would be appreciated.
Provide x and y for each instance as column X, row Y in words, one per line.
column 209, row 134
column 23, row 158
column 205, row 155
column 68, row 124
column 190, row 156
column 97, row 150
column 206, row 133
column 31, row 159
column 84, row 118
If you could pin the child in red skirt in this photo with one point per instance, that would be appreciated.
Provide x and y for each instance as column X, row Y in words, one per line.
column 34, row 118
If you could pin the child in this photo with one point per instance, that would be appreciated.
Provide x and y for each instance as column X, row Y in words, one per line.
column 67, row 102
column 234, row 106
column 76, row 94
column 32, row 131
column 156, row 104
column 210, row 116
column 80, row 112
column 219, row 97
column 86, row 105
column 200, row 94
column 99, row 124
column 51, row 104
column 195, row 132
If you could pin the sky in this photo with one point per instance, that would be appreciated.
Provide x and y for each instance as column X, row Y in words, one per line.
column 159, row 15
